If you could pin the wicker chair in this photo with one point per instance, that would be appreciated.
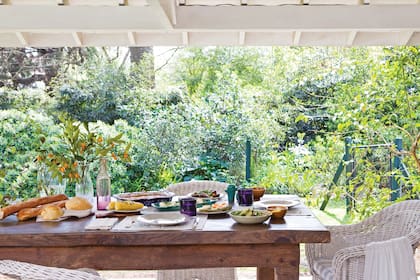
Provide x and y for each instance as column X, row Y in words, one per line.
column 344, row 257
column 202, row 273
column 26, row 271
column 185, row 188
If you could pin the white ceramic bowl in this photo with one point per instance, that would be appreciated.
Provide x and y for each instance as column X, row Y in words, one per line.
column 251, row 219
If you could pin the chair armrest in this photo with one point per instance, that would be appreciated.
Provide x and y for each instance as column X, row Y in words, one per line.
column 414, row 237
column 341, row 237
column 351, row 256
column 354, row 258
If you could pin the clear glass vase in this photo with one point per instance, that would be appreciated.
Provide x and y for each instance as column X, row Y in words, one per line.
column 48, row 184
column 84, row 188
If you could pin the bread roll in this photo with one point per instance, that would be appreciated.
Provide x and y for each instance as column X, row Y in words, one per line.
column 29, row 213
column 51, row 212
column 78, row 203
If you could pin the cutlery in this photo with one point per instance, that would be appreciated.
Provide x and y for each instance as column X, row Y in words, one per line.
column 194, row 226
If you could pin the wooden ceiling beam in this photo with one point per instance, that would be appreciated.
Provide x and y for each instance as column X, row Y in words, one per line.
column 185, row 39
column 77, row 37
column 289, row 17
column 131, row 38
column 22, row 38
column 242, row 35
column 163, row 11
column 296, row 37
column 80, row 18
column 350, row 38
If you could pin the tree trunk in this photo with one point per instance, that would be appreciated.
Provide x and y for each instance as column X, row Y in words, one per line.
column 143, row 57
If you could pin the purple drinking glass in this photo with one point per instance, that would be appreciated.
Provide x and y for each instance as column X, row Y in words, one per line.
column 188, row 206
column 245, row 197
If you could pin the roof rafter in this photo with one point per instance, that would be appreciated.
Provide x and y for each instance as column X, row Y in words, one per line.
column 168, row 22
column 299, row 17
column 164, row 10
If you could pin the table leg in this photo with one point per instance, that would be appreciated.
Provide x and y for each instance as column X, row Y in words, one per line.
column 289, row 269
column 265, row 273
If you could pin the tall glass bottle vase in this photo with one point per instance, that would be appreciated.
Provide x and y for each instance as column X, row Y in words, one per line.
column 103, row 186
column 84, row 188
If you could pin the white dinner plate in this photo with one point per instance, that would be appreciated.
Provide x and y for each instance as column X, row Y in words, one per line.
column 164, row 219
column 77, row 213
column 276, row 202
column 126, row 211
column 212, row 212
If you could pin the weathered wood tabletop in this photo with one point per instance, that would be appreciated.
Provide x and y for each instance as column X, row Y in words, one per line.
column 272, row 247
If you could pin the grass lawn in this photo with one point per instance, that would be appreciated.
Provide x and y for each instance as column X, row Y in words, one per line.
column 334, row 214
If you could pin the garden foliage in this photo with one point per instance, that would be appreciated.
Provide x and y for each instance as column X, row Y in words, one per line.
column 190, row 118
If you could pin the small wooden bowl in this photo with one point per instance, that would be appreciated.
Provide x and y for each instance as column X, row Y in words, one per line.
column 258, row 192
column 278, row 211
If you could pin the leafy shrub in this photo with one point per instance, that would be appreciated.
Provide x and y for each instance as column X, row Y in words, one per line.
column 19, row 140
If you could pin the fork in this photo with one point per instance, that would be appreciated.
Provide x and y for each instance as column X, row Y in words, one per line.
column 194, row 226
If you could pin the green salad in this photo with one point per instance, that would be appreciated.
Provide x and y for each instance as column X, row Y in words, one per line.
column 249, row 212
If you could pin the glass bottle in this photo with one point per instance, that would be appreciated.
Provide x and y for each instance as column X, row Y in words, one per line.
column 84, row 188
column 103, row 186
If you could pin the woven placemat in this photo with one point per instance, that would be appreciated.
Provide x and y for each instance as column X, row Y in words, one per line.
column 131, row 223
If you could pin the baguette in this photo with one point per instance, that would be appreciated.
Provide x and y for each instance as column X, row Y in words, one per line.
column 33, row 202
column 29, row 213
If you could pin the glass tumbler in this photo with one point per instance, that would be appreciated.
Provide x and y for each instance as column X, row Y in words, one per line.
column 245, row 197
column 188, row 206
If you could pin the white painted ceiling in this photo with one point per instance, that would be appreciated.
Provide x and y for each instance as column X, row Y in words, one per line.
column 56, row 23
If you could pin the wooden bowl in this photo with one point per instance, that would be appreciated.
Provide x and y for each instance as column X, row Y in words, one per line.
column 258, row 192
column 277, row 212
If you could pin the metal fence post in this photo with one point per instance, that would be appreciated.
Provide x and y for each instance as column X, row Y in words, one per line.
column 395, row 189
column 248, row 160
column 349, row 169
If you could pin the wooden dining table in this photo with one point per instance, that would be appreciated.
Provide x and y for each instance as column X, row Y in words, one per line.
column 273, row 247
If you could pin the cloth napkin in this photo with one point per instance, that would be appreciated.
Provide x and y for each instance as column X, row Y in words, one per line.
column 390, row 260
column 101, row 224
column 131, row 223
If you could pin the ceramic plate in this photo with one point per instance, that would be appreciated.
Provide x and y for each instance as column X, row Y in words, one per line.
column 217, row 208
column 277, row 202
column 77, row 213
column 126, row 211
column 166, row 208
column 147, row 198
column 164, row 219
column 221, row 195
column 212, row 212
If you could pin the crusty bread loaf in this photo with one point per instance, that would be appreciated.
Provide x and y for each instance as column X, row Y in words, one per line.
column 33, row 202
column 51, row 212
column 29, row 213
column 78, row 203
